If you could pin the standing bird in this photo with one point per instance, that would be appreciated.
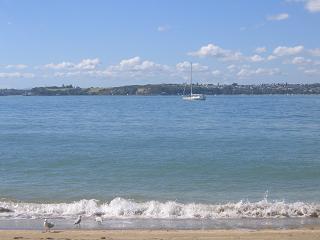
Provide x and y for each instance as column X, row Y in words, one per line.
column 78, row 221
column 99, row 219
column 47, row 225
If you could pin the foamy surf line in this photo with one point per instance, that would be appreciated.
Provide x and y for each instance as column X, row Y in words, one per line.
column 120, row 208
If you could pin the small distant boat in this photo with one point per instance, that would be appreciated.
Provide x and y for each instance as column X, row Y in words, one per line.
column 193, row 96
column 26, row 93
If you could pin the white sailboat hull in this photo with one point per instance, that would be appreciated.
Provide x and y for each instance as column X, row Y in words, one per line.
column 192, row 96
column 195, row 97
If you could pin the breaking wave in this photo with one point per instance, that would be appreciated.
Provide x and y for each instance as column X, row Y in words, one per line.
column 125, row 208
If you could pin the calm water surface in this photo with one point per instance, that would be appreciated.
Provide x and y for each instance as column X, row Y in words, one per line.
column 228, row 148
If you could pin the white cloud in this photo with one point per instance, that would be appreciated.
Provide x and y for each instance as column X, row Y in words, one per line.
column 138, row 68
column 126, row 68
column 301, row 61
column 131, row 62
column 278, row 17
column 260, row 49
column 271, row 57
column 149, row 66
column 218, row 52
column 16, row 66
column 232, row 68
column 135, row 64
column 185, row 66
column 248, row 72
column 91, row 73
column 16, row 75
column 315, row 52
column 67, row 74
column 285, row 51
column 163, row 28
column 62, row 65
column 313, row 5
column 216, row 73
column 88, row 64
column 256, row 58
column 134, row 67
column 212, row 50
column 314, row 71
column 85, row 64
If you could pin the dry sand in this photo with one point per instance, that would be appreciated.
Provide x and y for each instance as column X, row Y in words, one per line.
column 299, row 234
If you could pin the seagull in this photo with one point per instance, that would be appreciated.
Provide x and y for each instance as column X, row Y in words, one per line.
column 78, row 221
column 99, row 220
column 47, row 225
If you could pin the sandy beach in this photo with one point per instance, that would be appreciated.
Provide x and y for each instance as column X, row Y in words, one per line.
column 306, row 234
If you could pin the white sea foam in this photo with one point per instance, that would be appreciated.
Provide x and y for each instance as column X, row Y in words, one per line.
column 124, row 208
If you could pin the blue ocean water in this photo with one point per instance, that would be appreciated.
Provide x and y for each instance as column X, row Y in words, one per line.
column 133, row 150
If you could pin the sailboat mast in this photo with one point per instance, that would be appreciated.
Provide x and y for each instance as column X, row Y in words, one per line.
column 191, row 78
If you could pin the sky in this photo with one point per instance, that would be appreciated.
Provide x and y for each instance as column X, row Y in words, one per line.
column 113, row 43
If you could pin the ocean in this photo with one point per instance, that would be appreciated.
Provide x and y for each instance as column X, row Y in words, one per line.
column 159, row 161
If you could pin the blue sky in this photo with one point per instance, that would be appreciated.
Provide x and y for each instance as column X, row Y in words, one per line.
column 112, row 43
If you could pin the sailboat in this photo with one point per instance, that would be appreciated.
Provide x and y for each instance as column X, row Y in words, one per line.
column 193, row 96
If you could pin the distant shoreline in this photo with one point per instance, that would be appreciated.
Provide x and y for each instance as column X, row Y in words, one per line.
column 169, row 90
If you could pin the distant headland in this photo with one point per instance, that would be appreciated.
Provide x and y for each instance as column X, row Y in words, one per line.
column 169, row 89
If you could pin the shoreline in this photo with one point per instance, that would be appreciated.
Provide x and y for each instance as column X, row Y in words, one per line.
column 164, row 224
column 305, row 233
column 169, row 89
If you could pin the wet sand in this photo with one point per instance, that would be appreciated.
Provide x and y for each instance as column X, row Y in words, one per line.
column 298, row 234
